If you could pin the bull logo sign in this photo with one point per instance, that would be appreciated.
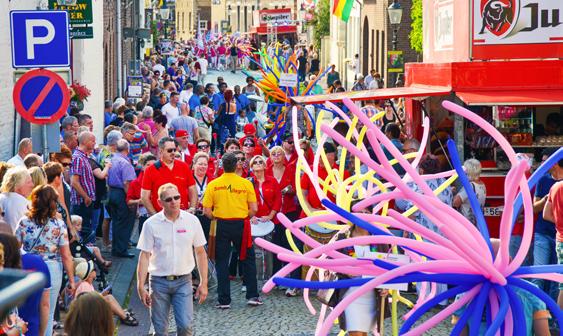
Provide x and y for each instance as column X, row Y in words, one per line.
column 498, row 16
column 532, row 27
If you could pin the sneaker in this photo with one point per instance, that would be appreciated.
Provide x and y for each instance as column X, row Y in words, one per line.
column 291, row 292
column 223, row 306
column 256, row 301
column 243, row 289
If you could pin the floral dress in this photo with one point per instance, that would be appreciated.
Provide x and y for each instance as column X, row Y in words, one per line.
column 44, row 240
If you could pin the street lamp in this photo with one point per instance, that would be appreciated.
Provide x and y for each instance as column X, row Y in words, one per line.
column 395, row 14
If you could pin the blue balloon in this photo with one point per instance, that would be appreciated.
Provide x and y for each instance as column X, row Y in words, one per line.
column 480, row 305
column 536, row 269
column 503, row 309
column 534, row 179
column 462, row 322
column 517, row 312
column 363, row 224
column 551, row 305
column 431, row 303
column 475, row 206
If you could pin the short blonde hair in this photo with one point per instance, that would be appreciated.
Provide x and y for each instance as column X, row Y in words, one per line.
column 256, row 157
column 277, row 149
column 14, row 178
column 38, row 176
column 472, row 168
column 198, row 156
column 163, row 188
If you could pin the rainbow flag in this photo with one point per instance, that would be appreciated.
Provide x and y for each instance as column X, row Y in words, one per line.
column 342, row 9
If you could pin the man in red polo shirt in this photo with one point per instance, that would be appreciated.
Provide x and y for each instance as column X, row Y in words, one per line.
column 168, row 170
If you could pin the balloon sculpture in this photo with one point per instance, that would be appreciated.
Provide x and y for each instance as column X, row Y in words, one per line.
column 460, row 255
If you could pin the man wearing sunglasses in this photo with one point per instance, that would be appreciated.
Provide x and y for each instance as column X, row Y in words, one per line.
column 231, row 200
column 168, row 170
column 167, row 243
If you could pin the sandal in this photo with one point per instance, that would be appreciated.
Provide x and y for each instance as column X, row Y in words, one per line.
column 130, row 311
column 129, row 320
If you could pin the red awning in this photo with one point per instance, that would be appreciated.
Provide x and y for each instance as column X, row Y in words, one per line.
column 512, row 97
column 263, row 30
column 405, row 92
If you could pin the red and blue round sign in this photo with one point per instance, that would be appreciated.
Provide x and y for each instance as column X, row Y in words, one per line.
column 41, row 96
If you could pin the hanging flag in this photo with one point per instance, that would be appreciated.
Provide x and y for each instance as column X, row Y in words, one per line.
column 342, row 9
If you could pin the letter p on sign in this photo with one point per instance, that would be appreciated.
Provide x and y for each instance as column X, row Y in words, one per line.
column 40, row 39
column 33, row 40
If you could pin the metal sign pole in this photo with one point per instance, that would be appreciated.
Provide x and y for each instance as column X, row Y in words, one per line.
column 45, row 144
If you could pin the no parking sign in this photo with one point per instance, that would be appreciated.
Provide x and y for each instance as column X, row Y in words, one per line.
column 41, row 96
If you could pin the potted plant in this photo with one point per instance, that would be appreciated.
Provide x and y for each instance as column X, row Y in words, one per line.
column 78, row 94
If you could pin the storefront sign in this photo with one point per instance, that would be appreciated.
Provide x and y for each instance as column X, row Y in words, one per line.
column 508, row 29
column 274, row 17
column 395, row 61
column 79, row 11
column 288, row 79
column 81, row 32
column 135, row 87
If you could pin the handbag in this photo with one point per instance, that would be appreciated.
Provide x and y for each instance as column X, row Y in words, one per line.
column 329, row 296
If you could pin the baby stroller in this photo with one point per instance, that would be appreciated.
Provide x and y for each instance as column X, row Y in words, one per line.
column 79, row 250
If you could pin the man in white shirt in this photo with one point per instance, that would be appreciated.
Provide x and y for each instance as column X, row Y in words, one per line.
column 24, row 147
column 159, row 67
column 167, row 243
column 186, row 93
column 172, row 109
column 203, row 64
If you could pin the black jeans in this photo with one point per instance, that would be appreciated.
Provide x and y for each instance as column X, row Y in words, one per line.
column 279, row 238
column 86, row 213
column 230, row 232
column 122, row 219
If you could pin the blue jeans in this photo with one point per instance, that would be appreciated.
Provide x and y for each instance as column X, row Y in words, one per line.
column 515, row 242
column 545, row 254
column 86, row 212
column 177, row 293
column 56, row 273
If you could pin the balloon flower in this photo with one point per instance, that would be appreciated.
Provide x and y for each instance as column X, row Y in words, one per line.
column 485, row 281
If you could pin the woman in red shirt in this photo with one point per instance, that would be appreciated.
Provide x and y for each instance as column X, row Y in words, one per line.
column 267, row 190
column 284, row 174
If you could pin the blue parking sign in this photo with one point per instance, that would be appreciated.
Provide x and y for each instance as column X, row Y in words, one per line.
column 40, row 39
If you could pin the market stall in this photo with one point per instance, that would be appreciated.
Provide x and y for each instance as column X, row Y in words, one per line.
column 509, row 72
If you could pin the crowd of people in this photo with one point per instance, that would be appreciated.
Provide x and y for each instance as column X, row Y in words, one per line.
column 186, row 166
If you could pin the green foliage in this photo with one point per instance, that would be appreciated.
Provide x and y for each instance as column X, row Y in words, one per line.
column 416, row 35
column 321, row 22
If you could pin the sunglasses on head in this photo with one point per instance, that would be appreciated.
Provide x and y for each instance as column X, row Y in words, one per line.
column 171, row 198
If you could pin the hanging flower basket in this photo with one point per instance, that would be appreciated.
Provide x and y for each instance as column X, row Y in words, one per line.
column 78, row 94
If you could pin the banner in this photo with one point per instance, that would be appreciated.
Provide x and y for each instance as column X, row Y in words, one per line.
column 395, row 61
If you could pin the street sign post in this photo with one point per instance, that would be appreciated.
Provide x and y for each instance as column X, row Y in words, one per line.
column 40, row 39
column 41, row 97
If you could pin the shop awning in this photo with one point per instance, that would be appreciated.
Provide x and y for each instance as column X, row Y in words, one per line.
column 263, row 30
column 512, row 97
column 405, row 92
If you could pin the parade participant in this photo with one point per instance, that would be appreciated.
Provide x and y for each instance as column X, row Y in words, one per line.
column 184, row 149
column 120, row 176
column 25, row 147
column 133, row 198
column 195, row 99
column 242, row 168
column 40, row 232
column 203, row 146
column 289, row 149
column 168, row 170
column 202, row 178
column 16, row 188
column 167, row 243
column 233, row 53
column 250, row 89
column 231, row 200
column 250, row 133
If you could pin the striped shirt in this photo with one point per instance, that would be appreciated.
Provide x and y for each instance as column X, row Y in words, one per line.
column 81, row 167
column 136, row 147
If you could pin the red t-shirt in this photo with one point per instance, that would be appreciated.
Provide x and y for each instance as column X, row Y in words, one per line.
column 180, row 175
column 312, row 196
column 269, row 198
column 556, row 199
column 134, row 191
column 288, row 179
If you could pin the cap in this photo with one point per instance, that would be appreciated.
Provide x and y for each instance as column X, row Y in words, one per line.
column 329, row 148
column 181, row 133
column 249, row 129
